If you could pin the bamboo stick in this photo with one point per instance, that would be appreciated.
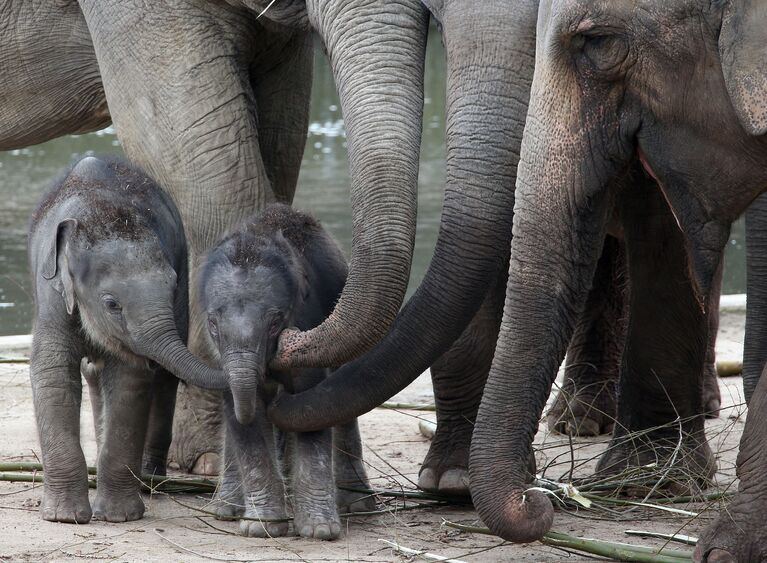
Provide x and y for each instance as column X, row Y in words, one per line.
column 619, row 551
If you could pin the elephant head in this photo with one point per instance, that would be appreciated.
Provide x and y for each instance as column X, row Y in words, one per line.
column 118, row 279
column 676, row 86
column 251, row 288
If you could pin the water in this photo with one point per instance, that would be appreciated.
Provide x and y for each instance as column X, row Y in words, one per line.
column 323, row 188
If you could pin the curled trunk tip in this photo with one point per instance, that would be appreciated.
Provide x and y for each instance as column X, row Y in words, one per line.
column 520, row 517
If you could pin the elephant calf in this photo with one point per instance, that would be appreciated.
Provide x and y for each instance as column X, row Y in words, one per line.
column 108, row 258
column 278, row 269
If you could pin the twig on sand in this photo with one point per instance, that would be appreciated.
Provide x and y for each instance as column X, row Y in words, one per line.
column 408, row 406
column 416, row 553
column 197, row 553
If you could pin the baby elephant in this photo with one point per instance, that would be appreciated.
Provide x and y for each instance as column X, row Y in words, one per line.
column 278, row 269
column 109, row 263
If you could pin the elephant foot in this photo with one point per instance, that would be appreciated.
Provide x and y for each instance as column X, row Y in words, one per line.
column 118, row 508
column 738, row 534
column 253, row 529
column 207, row 464
column 712, row 398
column 352, row 475
column 230, row 502
column 685, row 467
column 321, row 526
column 314, row 501
column 445, row 469
column 68, row 507
column 350, row 501
column 197, row 431
column 256, row 529
column 228, row 510
column 154, row 466
column 588, row 410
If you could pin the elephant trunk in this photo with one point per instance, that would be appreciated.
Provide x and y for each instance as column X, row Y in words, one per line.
column 561, row 213
column 161, row 342
column 755, row 346
column 486, row 106
column 377, row 50
column 244, row 370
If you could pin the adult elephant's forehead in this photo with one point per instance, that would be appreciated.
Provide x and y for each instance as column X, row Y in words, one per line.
column 581, row 16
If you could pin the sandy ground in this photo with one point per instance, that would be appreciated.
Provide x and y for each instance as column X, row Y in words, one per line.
column 394, row 451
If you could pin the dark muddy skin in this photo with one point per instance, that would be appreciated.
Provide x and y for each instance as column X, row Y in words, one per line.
column 278, row 269
column 109, row 265
column 587, row 404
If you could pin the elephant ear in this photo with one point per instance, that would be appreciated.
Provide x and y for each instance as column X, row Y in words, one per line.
column 743, row 51
column 56, row 262
column 299, row 264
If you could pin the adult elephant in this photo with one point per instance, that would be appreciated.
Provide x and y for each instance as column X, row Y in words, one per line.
column 672, row 90
column 487, row 95
column 213, row 101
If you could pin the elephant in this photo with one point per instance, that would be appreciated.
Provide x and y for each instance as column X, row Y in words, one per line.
column 226, row 101
column 459, row 305
column 108, row 259
column 278, row 268
column 671, row 94
column 219, row 117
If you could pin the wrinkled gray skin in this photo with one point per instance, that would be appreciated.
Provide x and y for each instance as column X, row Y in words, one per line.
column 108, row 260
column 587, row 404
column 226, row 99
column 487, row 104
column 277, row 269
column 662, row 90
column 51, row 84
column 219, row 117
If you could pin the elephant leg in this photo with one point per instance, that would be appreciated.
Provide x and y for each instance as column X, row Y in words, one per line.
column 712, row 398
column 263, row 490
column 586, row 404
column 739, row 533
column 312, row 481
column 660, row 416
column 91, row 371
column 127, row 401
column 313, row 486
column 283, row 93
column 230, row 499
column 57, row 395
column 458, row 377
column 349, row 469
column 159, row 432
column 196, row 444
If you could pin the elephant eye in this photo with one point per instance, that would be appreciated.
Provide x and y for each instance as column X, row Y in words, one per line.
column 276, row 326
column 212, row 326
column 604, row 51
column 111, row 304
